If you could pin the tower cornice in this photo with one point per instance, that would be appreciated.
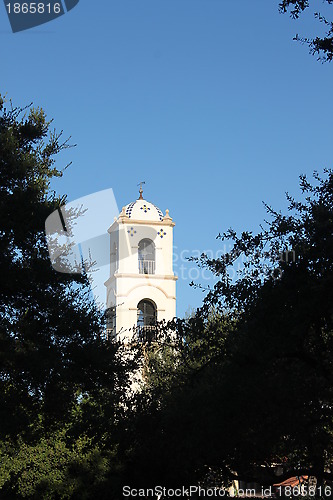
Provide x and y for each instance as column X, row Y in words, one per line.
column 126, row 220
column 163, row 222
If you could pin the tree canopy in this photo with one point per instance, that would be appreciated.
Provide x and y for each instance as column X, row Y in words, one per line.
column 240, row 386
column 251, row 384
column 322, row 46
column 63, row 386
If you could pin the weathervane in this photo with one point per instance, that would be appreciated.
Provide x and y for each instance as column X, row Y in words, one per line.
column 141, row 190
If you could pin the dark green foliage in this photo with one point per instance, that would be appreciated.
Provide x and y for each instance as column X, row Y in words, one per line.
column 53, row 467
column 251, row 383
column 243, row 383
column 320, row 46
column 63, row 387
column 51, row 346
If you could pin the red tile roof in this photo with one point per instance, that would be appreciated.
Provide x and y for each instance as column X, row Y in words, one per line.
column 293, row 481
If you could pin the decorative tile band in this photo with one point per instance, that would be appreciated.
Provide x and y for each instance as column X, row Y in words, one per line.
column 130, row 208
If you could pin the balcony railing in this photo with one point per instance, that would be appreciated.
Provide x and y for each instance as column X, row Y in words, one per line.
column 146, row 266
column 146, row 333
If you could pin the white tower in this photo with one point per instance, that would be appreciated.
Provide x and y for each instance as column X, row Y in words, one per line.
column 141, row 288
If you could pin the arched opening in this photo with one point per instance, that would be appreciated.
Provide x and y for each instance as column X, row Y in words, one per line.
column 146, row 257
column 111, row 322
column 146, row 320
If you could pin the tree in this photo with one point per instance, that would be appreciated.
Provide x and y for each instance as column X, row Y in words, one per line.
column 175, row 412
column 283, row 301
column 52, row 467
column 252, row 383
column 60, row 380
column 322, row 46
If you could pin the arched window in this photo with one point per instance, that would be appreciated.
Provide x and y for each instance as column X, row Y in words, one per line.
column 146, row 256
column 146, row 320
column 111, row 322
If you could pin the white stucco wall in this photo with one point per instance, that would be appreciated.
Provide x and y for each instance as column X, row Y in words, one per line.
column 126, row 287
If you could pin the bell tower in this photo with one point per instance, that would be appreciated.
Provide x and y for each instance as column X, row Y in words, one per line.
column 141, row 288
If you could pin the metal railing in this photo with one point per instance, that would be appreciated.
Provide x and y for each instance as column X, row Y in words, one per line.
column 146, row 333
column 146, row 266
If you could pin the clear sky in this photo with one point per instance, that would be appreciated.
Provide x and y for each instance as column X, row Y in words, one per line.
column 210, row 102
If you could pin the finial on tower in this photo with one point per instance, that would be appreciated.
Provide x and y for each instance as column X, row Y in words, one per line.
column 141, row 190
column 167, row 216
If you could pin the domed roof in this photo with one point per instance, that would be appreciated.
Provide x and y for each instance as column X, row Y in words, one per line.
column 143, row 210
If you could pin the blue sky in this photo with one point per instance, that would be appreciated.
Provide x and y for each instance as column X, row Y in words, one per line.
column 210, row 102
